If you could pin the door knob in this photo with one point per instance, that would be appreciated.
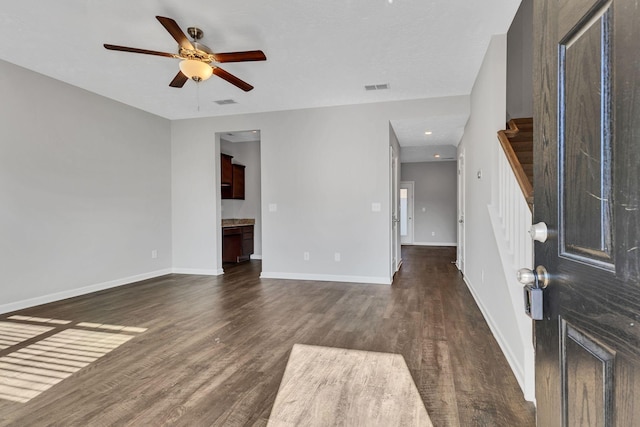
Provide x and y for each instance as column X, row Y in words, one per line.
column 526, row 276
column 539, row 277
column 538, row 232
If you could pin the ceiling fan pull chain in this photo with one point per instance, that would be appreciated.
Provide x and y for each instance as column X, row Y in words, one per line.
column 198, row 94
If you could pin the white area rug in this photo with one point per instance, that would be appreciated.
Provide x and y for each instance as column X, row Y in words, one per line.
column 324, row 386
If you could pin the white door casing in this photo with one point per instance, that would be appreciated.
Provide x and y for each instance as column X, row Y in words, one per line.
column 395, row 212
column 461, row 213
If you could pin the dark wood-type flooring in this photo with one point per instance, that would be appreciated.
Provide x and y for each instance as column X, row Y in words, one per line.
column 216, row 347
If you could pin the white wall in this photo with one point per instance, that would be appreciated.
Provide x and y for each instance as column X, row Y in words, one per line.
column 435, row 202
column 483, row 268
column 248, row 154
column 520, row 63
column 322, row 168
column 84, row 188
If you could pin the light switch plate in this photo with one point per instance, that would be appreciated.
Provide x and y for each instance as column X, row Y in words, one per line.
column 273, row 207
column 376, row 207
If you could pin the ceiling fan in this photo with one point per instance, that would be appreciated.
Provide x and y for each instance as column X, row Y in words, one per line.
column 196, row 57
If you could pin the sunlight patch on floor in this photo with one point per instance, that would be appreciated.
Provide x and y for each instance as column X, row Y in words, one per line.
column 40, row 319
column 112, row 327
column 28, row 371
column 14, row 333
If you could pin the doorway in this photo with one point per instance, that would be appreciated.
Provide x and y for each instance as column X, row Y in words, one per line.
column 240, row 208
column 406, row 212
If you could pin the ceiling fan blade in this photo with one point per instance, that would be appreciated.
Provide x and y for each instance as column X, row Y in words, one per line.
column 232, row 79
column 179, row 80
column 136, row 50
column 175, row 31
column 250, row 55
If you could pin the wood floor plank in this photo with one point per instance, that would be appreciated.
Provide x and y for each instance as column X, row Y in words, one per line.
column 215, row 348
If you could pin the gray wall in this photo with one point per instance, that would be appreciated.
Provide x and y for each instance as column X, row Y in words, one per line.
column 435, row 201
column 248, row 154
column 483, row 270
column 85, row 190
column 520, row 63
column 323, row 198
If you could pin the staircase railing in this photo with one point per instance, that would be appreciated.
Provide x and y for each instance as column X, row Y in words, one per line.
column 511, row 218
column 512, row 158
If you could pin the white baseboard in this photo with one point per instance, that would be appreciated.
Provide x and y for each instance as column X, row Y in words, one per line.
column 256, row 256
column 44, row 299
column 198, row 271
column 326, row 278
column 516, row 366
column 432, row 244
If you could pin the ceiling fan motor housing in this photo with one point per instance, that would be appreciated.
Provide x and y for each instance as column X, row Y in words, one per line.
column 195, row 33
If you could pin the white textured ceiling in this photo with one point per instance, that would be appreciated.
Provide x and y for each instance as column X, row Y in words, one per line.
column 319, row 53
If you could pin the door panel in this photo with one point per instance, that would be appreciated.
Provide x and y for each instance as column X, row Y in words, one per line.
column 587, row 191
column 584, row 139
column 587, row 379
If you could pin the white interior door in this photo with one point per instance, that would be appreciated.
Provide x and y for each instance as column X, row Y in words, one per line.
column 395, row 212
column 406, row 212
column 461, row 196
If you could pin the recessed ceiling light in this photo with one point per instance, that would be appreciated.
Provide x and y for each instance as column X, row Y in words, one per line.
column 428, row 132
column 437, row 156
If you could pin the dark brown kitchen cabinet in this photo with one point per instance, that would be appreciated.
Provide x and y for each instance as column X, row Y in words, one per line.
column 237, row 243
column 237, row 189
column 232, row 178
column 226, row 168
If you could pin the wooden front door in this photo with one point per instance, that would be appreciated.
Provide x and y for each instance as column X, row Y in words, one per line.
column 587, row 191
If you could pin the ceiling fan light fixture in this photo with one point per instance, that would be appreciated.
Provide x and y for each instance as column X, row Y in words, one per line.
column 196, row 70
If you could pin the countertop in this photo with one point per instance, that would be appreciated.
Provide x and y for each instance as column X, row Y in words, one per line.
column 236, row 222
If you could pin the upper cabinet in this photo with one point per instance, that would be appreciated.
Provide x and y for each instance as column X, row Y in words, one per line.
column 226, row 169
column 232, row 178
column 237, row 189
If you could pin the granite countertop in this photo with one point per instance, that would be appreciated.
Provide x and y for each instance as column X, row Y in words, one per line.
column 236, row 222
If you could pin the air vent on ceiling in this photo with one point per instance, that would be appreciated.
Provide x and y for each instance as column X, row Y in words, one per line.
column 377, row 87
column 225, row 101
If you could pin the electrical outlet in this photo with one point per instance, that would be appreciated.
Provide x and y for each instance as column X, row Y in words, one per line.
column 306, row 256
column 336, row 257
column 154, row 254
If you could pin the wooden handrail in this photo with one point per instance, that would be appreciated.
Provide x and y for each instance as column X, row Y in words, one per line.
column 521, row 177
column 513, row 128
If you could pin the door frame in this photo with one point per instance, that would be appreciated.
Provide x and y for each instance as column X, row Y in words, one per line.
column 394, row 165
column 410, row 186
column 460, row 258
